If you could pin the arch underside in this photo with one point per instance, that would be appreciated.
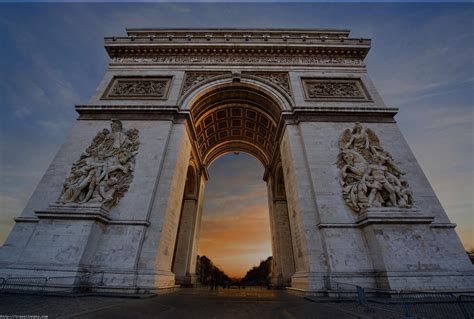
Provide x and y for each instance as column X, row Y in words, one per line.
column 233, row 147
column 235, row 119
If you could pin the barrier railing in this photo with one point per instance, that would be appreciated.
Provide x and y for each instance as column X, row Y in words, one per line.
column 66, row 284
column 410, row 304
column 24, row 284
column 40, row 285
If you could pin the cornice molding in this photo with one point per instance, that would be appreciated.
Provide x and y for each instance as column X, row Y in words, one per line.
column 333, row 33
column 306, row 47
column 340, row 114
column 298, row 114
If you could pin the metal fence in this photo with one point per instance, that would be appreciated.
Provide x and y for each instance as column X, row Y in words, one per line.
column 409, row 304
column 41, row 285
column 24, row 284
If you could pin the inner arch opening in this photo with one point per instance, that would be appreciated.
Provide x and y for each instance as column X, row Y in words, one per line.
column 239, row 118
column 235, row 227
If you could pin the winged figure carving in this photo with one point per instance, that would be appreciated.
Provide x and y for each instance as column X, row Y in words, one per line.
column 104, row 171
column 368, row 174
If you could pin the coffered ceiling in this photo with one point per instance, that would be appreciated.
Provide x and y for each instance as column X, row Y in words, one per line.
column 235, row 119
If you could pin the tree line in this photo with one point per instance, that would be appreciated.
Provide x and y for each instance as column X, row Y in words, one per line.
column 210, row 274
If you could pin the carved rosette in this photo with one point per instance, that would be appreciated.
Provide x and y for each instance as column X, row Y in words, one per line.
column 368, row 175
column 280, row 79
column 193, row 79
column 104, row 171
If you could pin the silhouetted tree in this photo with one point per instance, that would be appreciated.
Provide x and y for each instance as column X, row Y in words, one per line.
column 208, row 273
column 470, row 253
column 259, row 275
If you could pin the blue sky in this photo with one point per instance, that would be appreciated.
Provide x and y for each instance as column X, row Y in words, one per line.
column 421, row 61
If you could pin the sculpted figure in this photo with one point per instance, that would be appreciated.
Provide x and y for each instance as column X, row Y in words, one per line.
column 378, row 174
column 378, row 151
column 104, row 171
column 359, row 138
column 406, row 194
column 368, row 175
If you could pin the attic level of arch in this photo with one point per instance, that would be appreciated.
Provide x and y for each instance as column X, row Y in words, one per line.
column 157, row 32
column 245, row 36
column 152, row 43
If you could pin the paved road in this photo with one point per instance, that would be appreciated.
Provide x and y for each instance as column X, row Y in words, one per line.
column 185, row 303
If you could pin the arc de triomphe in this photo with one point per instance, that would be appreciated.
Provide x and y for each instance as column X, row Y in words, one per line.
column 348, row 201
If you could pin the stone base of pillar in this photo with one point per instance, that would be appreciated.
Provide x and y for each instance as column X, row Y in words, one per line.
column 189, row 280
column 280, row 281
column 448, row 281
column 155, row 280
column 79, row 279
column 455, row 281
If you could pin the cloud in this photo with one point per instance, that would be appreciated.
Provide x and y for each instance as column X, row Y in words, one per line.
column 21, row 112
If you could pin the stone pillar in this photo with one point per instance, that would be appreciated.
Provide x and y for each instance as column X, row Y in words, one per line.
column 380, row 246
column 156, row 255
column 53, row 240
column 277, row 276
column 309, row 251
column 283, row 266
column 197, row 230
column 287, row 264
column 184, row 266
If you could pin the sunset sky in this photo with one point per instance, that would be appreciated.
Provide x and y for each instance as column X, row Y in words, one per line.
column 235, row 230
column 421, row 61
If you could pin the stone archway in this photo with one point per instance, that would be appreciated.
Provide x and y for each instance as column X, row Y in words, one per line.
column 124, row 192
column 226, row 118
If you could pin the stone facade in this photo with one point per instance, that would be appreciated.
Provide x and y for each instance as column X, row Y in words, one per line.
column 348, row 202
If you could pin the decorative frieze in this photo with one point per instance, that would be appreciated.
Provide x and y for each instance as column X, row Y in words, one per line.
column 369, row 176
column 193, row 79
column 334, row 89
column 138, row 88
column 238, row 59
column 280, row 79
column 104, row 172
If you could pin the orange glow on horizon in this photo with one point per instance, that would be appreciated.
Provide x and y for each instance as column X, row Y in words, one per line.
column 236, row 242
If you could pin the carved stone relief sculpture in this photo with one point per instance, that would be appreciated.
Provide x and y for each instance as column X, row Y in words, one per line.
column 104, row 171
column 138, row 88
column 280, row 79
column 192, row 79
column 237, row 59
column 335, row 89
column 369, row 176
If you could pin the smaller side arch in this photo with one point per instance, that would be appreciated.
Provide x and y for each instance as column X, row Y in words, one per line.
column 279, row 185
column 191, row 181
